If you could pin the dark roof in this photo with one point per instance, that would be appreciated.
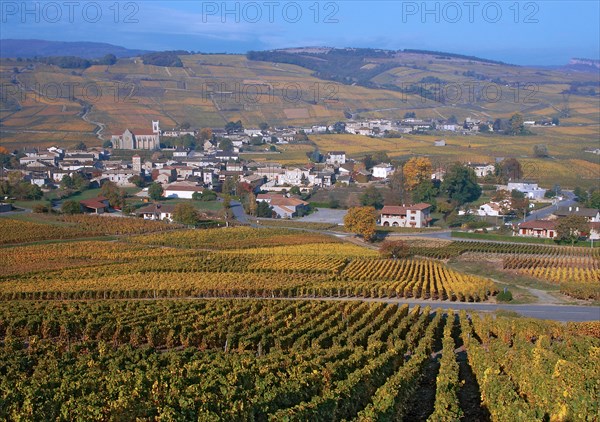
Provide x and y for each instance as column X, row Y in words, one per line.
column 156, row 209
column 585, row 212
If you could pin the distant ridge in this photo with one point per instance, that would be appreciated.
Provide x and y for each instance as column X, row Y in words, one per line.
column 88, row 50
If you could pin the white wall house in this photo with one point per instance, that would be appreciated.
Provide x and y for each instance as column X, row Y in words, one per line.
column 417, row 215
column 531, row 190
column 182, row 190
column 336, row 158
column 383, row 170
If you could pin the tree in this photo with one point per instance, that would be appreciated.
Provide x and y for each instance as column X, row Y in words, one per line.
column 394, row 249
column 333, row 202
column 67, row 182
column 555, row 121
column 410, row 115
column 295, row 190
column 362, row 221
column 368, row 161
column 571, row 228
column 509, row 169
column 484, row 128
column 80, row 146
column 519, row 203
column 107, row 144
column 425, row 192
column 155, row 191
column 540, row 151
column 232, row 127
column 594, row 200
column 205, row 134
column 185, row 125
column 372, row 197
column 185, row 213
column 396, row 185
column 251, row 202
column 229, row 185
column 137, row 180
column 460, row 184
column 263, row 126
column 71, row 207
column 226, row 145
column 80, row 182
column 263, row 210
column 516, row 125
column 115, row 196
column 581, row 194
column 416, row 170
column 339, row 127
column 381, row 157
column 452, row 120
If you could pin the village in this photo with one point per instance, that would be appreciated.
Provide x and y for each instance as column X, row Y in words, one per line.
column 213, row 168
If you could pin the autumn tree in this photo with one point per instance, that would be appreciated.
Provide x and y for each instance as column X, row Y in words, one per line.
column 362, row 221
column 205, row 134
column 115, row 195
column 571, row 228
column 415, row 171
column 394, row 249
column 509, row 169
column 516, row 125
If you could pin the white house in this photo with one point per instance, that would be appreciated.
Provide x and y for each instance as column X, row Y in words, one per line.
column 183, row 190
column 491, row 209
column 336, row 158
column 482, row 170
column 417, row 215
column 531, row 190
column 159, row 212
column 383, row 170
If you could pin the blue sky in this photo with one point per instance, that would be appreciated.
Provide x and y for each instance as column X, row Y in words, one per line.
column 526, row 32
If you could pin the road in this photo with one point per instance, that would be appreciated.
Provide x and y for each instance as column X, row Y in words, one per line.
column 238, row 212
column 546, row 212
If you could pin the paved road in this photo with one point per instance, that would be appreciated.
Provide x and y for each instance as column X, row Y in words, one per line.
column 569, row 200
column 238, row 212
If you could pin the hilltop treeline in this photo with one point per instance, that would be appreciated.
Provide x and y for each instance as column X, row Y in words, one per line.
column 165, row 58
column 442, row 55
column 345, row 66
column 73, row 62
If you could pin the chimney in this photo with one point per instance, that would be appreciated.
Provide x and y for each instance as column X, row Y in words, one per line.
column 577, row 209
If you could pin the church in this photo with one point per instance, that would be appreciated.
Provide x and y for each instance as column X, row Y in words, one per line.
column 138, row 140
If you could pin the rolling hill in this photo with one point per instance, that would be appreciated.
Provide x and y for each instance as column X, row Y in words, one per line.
column 208, row 90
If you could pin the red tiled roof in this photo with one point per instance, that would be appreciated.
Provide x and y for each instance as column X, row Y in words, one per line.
column 95, row 203
column 401, row 210
column 539, row 224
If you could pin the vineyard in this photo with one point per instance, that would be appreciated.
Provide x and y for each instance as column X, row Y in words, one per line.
column 576, row 270
column 289, row 360
column 136, row 269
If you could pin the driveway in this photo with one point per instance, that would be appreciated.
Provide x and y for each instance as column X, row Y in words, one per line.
column 325, row 215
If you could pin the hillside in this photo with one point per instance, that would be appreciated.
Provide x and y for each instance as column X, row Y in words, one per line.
column 41, row 48
column 209, row 90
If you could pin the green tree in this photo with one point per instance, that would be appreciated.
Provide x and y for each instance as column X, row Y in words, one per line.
column 571, row 228
column 80, row 146
column 107, row 144
column 67, row 182
column 80, row 183
column 226, row 145
column 295, row 190
column 372, row 197
column 581, row 194
column 509, row 169
column 594, row 200
column 71, row 207
column 425, row 192
column 263, row 126
column 263, row 210
column 460, row 184
column 362, row 221
column 185, row 213
column 155, row 191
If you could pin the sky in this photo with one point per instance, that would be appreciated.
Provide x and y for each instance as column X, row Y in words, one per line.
column 521, row 32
